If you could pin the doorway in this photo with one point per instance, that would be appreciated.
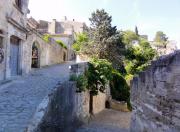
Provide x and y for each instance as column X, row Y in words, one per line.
column 35, row 56
column 64, row 56
column 14, row 55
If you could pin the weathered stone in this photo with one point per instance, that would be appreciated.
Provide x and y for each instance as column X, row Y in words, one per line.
column 17, row 37
column 155, row 97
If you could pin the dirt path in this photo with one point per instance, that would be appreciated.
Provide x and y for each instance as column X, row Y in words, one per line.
column 108, row 121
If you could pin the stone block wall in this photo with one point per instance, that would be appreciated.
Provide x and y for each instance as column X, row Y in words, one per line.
column 12, row 23
column 155, row 96
column 119, row 106
column 49, row 53
column 99, row 101
column 64, row 110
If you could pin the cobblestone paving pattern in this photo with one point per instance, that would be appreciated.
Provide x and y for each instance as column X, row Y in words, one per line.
column 20, row 97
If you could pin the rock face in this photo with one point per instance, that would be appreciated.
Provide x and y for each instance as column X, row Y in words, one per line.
column 155, row 96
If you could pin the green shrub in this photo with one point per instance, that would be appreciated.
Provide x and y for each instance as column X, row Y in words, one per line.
column 46, row 37
column 128, row 78
column 73, row 77
column 61, row 44
column 76, row 47
column 81, row 40
column 120, row 90
column 99, row 74
column 81, row 82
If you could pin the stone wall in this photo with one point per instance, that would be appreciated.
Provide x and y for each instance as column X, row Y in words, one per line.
column 82, row 107
column 16, row 32
column 155, row 96
column 12, row 23
column 65, row 109
column 99, row 101
column 62, row 111
column 49, row 53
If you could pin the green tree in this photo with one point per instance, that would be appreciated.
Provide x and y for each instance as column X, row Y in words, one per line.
column 128, row 37
column 161, row 38
column 98, row 74
column 137, row 58
column 81, row 41
column 119, row 88
column 106, row 40
column 136, row 31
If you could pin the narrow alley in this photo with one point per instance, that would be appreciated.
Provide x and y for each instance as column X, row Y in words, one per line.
column 20, row 97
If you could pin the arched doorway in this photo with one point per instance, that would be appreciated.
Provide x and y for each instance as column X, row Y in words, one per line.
column 107, row 104
column 35, row 56
column 64, row 56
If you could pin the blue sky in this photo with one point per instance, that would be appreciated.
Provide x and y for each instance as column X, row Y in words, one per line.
column 149, row 15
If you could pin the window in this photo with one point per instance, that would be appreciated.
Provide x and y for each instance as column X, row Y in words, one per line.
column 19, row 3
column 1, row 42
column 1, row 39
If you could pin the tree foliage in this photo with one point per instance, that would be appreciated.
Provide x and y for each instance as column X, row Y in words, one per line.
column 106, row 38
column 137, row 57
column 61, row 44
column 128, row 37
column 161, row 38
column 102, row 40
column 81, row 40
column 119, row 88
column 98, row 74
column 46, row 38
column 136, row 31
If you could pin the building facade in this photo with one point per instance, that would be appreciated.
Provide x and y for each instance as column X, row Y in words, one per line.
column 63, row 30
column 12, row 36
column 165, row 49
column 21, row 47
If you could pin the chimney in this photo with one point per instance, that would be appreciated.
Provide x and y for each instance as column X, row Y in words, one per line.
column 52, row 27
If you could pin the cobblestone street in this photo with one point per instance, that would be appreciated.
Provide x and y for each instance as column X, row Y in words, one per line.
column 108, row 121
column 20, row 97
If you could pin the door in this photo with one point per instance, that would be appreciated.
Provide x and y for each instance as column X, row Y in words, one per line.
column 35, row 57
column 14, row 56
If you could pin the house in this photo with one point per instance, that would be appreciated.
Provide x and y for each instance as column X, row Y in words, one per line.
column 165, row 49
column 13, row 34
column 22, row 48
column 64, row 30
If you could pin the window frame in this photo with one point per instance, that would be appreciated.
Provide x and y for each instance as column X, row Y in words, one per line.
column 19, row 4
column 2, row 39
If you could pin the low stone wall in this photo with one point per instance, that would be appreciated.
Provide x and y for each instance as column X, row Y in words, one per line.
column 120, row 106
column 155, row 96
column 99, row 101
column 62, row 111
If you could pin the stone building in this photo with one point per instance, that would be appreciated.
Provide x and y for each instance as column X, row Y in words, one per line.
column 64, row 31
column 21, row 47
column 12, row 36
column 170, row 47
